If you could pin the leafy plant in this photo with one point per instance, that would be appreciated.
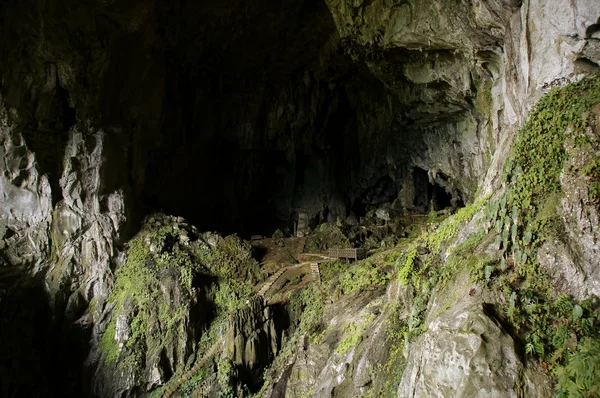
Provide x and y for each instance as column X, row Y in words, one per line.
column 580, row 376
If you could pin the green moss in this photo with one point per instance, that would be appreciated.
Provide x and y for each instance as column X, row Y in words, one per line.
column 278, row 237
column 409, row 271
column 594, row 191
column 339, row 278
column 224, row 376
column 363, row 275
column 327, row 235
column 306, row 306
column 133, row 282
column 310, row 301
column 352, row 336
column 387, row 375
column 484, row 101
column 108, row 345
column 526, row 216
column 165, row 259
column 188, row 387
column 467, row 256
column 592, row 171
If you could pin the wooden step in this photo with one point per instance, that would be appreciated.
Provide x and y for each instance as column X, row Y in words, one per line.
column 265, row 288
column 315, row 272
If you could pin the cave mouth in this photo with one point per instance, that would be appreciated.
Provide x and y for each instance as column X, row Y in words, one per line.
column 430, row 195
column 252, row 142
column 241, row 117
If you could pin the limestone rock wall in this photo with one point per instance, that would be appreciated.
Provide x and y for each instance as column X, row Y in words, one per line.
column 25, row 203
column 88, row 220
column 254, row 340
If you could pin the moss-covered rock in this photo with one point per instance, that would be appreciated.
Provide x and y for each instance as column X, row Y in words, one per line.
column 327, row 235
column 175, row 285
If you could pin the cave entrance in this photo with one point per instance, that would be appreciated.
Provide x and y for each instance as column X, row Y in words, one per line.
column 429, row 194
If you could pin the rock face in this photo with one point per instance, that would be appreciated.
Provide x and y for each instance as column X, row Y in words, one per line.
column 169, row 299
column 26, row 202
column 572, row 262
column 254, row 341
column 464, row 353
column 249, row 117
column 87, row 222
column 339, row 365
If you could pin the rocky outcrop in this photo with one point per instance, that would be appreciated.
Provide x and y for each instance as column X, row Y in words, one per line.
column 571, row 258
column 26, row 201
column 254, row 341
column 169, row 300
column 463, row 353
column 87, row 222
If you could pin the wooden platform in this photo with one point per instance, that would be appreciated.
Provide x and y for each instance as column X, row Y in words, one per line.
column 348, row 254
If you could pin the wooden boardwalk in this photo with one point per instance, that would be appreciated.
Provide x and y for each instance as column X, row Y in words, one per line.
column 312, row 261
column 265, row 288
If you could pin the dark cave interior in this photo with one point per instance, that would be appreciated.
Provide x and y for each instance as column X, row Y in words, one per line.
column 238, row 117
column 252, row 135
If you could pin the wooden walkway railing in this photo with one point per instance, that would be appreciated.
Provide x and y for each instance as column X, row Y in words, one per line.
column 348, row 254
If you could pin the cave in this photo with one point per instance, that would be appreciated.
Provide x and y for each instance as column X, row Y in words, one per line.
column 251, row 137
column 430, row 195
column 236, row 117
column 257, row 135
column 160, row 140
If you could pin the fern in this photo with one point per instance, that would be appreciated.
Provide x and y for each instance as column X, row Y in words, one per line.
column 580, row 377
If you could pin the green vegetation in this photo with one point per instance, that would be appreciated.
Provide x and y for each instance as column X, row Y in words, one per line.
column 592, row 170
column 308, row 303
column 326, row 236
column 169, row 270
column 559, row 332
column 397, row 335
column 467, row 256
column 532, row 174
column 190, row 385
column 278, row 237
column 413, row 272
column 306, row 306
column 362, row 276
column 353, row 334
column 580, row 376
column 339, row 278
column 526, row 216
column 520, row 221
column 224, row 374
